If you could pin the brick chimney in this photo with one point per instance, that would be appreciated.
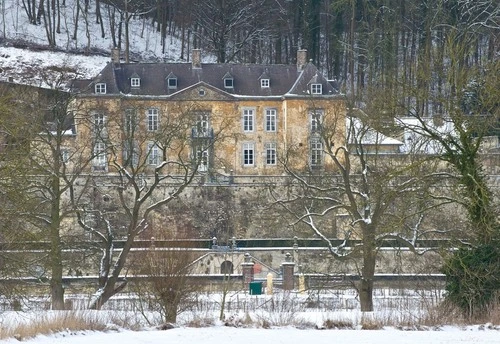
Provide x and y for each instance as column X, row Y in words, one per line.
column 301, row 59
column 196, row 58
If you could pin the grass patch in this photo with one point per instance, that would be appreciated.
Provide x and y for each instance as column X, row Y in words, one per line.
column 54, row 322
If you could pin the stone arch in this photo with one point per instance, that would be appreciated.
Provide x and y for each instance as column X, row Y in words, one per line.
column 226, row 267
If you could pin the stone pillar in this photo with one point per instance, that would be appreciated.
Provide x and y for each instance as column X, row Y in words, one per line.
column 302, row 284
column 247, row 270
column 269, row 284
column 288, row 269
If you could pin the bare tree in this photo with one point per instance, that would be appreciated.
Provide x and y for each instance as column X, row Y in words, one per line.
column 152, row 169
column 127, row 10
column 465, row 111
column 383, row 197
column 228, row 25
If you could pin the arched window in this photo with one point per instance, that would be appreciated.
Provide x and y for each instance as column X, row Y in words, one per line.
column 226, row 267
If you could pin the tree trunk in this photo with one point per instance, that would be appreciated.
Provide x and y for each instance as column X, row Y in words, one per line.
column 108, row 283
column 77, row 18
column 56, row 267
column 366, row 294
column 368, row 269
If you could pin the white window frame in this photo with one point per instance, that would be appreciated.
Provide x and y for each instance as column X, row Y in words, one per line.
column 100, row 159
column 202, row 158
column 271, row 153
column 171, row 86
column 316, row 118
column 271, row 117
column 248, row 120
column 202, row 125
column 316, row 152
column 153, row 119
column 65, row 154
column 316, row 89
column 99, row 122
column 264, row 83
column 100, row 88
column 153, row 155
column 248, row 154
column 228, row 83
column 135, row 82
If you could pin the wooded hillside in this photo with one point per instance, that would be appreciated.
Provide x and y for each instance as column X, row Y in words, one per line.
column 360, row 43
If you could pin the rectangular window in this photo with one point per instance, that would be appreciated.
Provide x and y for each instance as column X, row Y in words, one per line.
column 248, row 120
column 172, row 83
column 248, row 154
column 316, row 120
column 316, row 152
column 316, row 89
column 270, row 119
column 65, row 155
column 100, row 88
column 228, row 83
column 153, row 154
column 130, row 153
column 130, row 122
column 99, row 123
column 271, row 153
column 135, row 82
column 153, row 119
column 264, row 83
column 99, row 161
column 202, row 158
column 202, row 126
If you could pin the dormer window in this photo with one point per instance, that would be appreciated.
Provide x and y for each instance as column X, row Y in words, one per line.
column 100, row 88
column 264, row 83
column 135, row 82
column 316, row 89
column 228, row 83
column 172, row 83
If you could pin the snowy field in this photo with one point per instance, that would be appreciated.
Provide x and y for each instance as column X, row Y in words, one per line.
column 222, row 335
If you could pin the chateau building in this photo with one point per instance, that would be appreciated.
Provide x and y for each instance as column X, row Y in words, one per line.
column 225, row 119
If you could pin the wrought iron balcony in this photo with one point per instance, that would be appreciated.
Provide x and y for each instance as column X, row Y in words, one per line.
column 202, row 133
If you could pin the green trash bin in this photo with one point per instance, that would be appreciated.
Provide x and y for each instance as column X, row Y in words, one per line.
column 255, row 288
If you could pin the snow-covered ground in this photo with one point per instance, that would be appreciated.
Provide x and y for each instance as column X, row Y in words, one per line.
column 249, row 327
column 144, row 38
column 40, row 68
column 45, row 68
column 222, row 335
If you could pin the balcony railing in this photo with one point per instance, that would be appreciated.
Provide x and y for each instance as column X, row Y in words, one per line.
column 202, row 133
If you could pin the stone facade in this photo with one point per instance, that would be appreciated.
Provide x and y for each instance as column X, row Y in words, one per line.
column 228, row 119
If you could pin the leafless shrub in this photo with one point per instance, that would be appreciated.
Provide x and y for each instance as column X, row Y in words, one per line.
column 200, row 322
column 281, row 310
column 166, row 288
column 371, row 323
column 339, row 324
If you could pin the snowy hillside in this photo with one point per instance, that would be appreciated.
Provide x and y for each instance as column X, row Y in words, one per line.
column 24, row 58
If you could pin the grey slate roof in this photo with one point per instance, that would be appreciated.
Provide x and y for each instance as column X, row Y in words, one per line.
column 284, row 79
